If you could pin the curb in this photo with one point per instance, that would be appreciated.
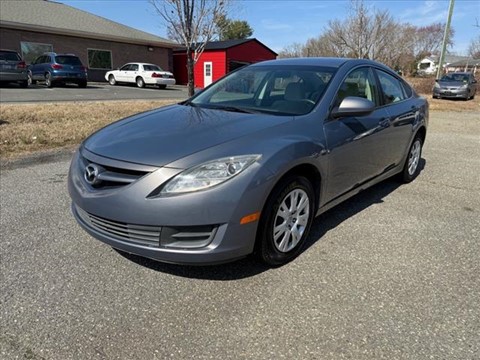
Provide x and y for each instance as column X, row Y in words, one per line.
column 41, row 157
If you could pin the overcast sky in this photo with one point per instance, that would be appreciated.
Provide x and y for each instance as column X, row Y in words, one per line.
column 278, row 23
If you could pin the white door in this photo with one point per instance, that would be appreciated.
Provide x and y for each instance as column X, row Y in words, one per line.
column 207, row 73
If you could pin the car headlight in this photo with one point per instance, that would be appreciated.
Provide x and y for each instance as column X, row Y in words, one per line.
column 464, row 86
column 208, row 174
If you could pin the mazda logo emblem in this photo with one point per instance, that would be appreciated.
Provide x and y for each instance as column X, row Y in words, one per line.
column 91, row 174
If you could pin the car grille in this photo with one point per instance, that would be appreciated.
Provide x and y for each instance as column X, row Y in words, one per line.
column 179, row 237
column 109, row 176
column 138, row 234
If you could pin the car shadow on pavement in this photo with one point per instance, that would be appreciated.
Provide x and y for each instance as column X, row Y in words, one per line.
column 249, row 266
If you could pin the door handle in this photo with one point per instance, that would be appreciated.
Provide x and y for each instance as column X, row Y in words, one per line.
column 385, row 122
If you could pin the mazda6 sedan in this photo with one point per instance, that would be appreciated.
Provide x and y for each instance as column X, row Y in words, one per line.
column 244, row 166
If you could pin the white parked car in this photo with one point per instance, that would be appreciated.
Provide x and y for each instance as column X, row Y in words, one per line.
column 141, row 74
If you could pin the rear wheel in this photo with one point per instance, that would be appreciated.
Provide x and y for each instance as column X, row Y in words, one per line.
column 140, row 82
column 111, row 80
column 48, row 80
column 286, row 221
column 411, row 169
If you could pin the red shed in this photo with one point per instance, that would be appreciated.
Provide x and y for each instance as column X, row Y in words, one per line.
column 219, row 58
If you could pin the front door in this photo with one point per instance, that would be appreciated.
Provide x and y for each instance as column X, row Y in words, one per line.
column 207, row 74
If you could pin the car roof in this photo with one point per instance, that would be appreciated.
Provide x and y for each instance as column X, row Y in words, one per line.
column 139, row 63
column 8, row 50
column 321, row 61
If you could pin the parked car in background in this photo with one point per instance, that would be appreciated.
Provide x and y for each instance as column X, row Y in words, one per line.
column 245, row 165
column 461, row 85
column 55, row 69
column 12, row 68
column 141, row 74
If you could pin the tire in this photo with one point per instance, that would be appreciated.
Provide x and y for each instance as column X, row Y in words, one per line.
column 140, row 82
column 111, row 80
column 30, row 80
column 283, row 228
column 82, row 84
column 163, row 87
column 411, row 169
column 48, row 80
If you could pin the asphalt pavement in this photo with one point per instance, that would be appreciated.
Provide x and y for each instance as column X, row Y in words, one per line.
column 392, row 273
column 12, row 93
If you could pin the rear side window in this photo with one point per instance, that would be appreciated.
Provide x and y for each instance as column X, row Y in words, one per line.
column 9, row 56
column 67, row 60
column 392, row 88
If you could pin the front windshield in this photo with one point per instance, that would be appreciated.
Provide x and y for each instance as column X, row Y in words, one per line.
column 455, row 78
column 280, row 90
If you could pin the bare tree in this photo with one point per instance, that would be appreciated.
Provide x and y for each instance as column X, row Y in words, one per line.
column 192, row 24
column 291, row 51
column 474, row 48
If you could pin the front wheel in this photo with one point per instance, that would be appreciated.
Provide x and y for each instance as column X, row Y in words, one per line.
column 111, row 80
column 48, row 80
column 286, row 221
column 140, row 82
column 411, row 169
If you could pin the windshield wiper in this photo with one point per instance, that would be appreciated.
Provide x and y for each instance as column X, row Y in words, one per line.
column 233, row 109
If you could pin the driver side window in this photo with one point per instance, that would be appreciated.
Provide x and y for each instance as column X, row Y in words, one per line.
column 360, row 83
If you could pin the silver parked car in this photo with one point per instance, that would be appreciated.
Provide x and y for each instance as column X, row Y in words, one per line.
column 12, row 68
column 456, row 85
column 244, row 166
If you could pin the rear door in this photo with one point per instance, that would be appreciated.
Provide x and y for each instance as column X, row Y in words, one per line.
column 402, row 111
column 355, row 142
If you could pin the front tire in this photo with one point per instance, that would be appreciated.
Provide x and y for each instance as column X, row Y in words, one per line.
column 111, row 80
column 140, row 82
column 48, row 80
column 286, row 221
column 411, row 169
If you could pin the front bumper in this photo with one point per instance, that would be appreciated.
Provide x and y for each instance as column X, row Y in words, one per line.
column 195, row 228
column 451, row 93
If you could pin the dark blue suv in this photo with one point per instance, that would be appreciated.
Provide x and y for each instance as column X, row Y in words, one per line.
column 57, row 68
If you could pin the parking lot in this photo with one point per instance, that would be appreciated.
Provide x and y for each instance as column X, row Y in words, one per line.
column 94, row 91
column 391, row 274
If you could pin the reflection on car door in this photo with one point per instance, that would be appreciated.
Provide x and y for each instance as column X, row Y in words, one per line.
column 355, row 142
column 402, row 115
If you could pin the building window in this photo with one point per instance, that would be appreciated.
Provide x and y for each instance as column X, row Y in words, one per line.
column 99, row 59
column 31, row 50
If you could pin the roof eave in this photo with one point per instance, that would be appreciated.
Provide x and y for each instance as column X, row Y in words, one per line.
column 84, row 34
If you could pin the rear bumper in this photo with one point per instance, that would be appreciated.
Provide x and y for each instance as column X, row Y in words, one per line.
column 73, row 77
column 159, row 81
column 13, row 76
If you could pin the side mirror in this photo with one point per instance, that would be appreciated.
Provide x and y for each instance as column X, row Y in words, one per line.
column 353, row 106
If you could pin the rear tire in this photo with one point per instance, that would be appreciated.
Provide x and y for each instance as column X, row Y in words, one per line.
column 140, row 82
column 111, row 80
column 285, row 221
column 411, row 169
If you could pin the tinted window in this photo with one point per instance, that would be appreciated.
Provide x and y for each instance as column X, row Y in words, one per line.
column 392, row 88
column 68, row 60
column 125, row 67
column 9, row 56
column 134, row 67
column 360, row 83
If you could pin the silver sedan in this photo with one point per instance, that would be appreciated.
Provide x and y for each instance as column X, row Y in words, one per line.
column 244, row 166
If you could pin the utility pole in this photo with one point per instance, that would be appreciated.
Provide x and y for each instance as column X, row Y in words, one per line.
column 445, row 40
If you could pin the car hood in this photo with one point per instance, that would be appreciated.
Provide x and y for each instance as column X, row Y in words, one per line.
column 451, row 84
column 162, row 136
